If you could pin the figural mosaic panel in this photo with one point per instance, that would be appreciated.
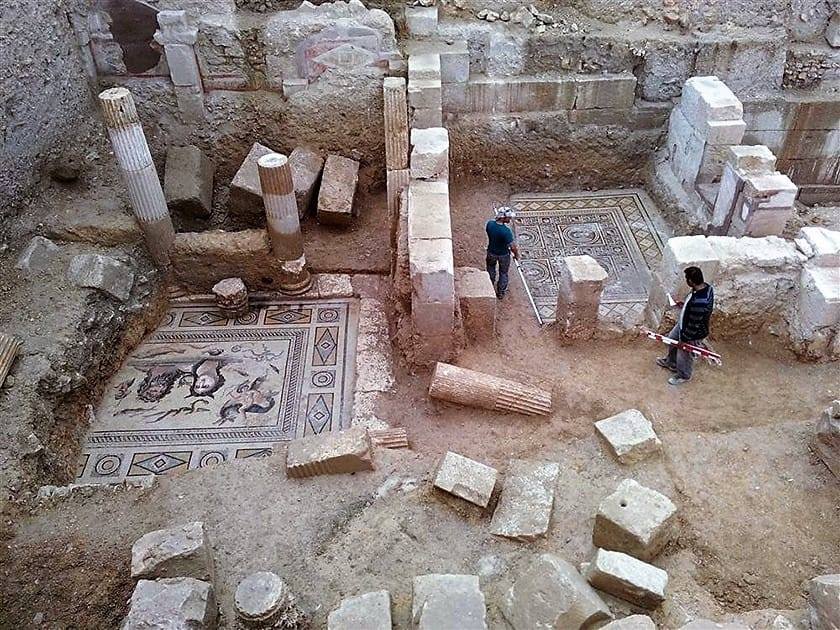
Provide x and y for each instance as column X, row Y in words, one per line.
column 615, row 228
column 203, row 389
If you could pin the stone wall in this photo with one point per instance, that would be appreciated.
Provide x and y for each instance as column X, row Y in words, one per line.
column 43, row 93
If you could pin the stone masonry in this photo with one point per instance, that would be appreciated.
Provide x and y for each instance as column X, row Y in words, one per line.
column 579, row 295
column 344, row 452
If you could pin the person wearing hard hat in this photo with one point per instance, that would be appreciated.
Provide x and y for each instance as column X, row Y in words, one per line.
column 500, row 245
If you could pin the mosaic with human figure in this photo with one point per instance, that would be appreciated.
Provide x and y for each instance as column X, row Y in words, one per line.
column 204, row 389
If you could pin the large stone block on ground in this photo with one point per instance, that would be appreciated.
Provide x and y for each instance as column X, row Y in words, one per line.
column 636, row 520
column 330, row 453
column 371, row 611
column 824, row 602
column 95, row 271
column 627, row 578
column 188, row 182
column 37, row 255
column 477, row 299
column 524, row 509
column 708, row 98
column 245, row 199
column 552, row 594
column 448, row 602
column 182, row 551
column 264, row 600
column 173, row 603
column 825, row 245
column 430, row 153
column 306, row 165
column 819, row 297
column 633, row 622
column 466, row 478
column 630, row 436
column 827, row 439
column 581, row 282
column 338, row 188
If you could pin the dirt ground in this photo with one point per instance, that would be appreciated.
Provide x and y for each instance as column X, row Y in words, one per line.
column 758, row 509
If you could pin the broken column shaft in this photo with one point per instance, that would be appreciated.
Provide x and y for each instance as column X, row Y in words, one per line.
column 476, row 389
column 141, row 178
column 283, row 221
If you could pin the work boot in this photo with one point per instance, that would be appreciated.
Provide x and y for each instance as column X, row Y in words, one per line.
column 677, row 380
column 663, row 363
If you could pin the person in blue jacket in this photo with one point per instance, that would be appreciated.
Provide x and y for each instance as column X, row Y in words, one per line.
column 500, row 245
column 692, row 326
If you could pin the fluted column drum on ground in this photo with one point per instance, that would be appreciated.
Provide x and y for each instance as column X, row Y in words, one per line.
column 283, row 221
column 138, row 169
column 476, row 389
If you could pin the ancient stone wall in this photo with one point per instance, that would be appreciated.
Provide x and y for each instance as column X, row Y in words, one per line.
column 43, row 93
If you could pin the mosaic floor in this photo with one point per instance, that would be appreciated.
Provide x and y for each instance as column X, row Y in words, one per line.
column 614, row 227
column 204, row 389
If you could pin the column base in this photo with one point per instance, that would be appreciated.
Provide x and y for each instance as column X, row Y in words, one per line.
column 296, row 278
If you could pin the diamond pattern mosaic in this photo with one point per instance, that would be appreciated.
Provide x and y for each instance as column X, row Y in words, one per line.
column 614, row 227
column 204, row 389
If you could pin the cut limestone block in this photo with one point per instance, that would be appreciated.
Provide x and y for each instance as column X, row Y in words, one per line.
column 389, row 438
column 330, row 453
column 477, row 298
column 476, row 389
column 824, row 602
column 188, row 181
column 338, row 188
column 708, row 98
column 627, row 578
column 37, row 255
column 634, row 622
column 819, row 297
column 245, row 199
column 428, row 214
column 395, row 119
column 95, row 271
column 524, row 509
column 705, row 624
column 581, row 283
column 630, row 436
column 613, row 91
column 552, row 594
column 636, row 520
column 424, row 66
column 172, row 603
column 421, row 21
column 371, row 611
column 430, row 153
column 466, row 478
column 832, row 32
column 426, row 117
column 686, row 251
column 306, row 165
column 454, row 57
column 448, row 602
column 175, row 552
column 824, row 243
column 754, row 160
column 826, row 442
column 264, row 600
column 432, row 270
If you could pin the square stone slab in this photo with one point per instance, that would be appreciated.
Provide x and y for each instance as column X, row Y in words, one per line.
column 636, row 520
column 466, row 478
column 629, row 435
column 524, row 510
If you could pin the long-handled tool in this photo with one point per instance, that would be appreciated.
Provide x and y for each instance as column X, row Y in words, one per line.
column 528, row 291
column 713, row 358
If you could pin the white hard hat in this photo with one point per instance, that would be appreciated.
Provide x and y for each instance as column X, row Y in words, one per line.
column 505, row 212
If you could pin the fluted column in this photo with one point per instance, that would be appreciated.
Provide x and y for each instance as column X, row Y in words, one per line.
column 283, row 222
column 139, row 173
column 9, row 347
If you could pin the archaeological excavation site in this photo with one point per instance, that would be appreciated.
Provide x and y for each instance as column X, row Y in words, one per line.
column 436, row 314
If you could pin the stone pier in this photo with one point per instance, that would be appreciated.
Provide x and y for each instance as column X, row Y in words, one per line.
column 283, row 222
column 178, row 39
column 144, row 190
column 396, row 123
column 581, row 284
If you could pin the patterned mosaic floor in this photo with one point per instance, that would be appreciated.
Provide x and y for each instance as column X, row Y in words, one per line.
column 614, row 227
column 203, row 389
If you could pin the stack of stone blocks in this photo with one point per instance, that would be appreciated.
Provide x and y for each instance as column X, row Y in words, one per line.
column 754, row 199
column 707, row 120
column 178, row 38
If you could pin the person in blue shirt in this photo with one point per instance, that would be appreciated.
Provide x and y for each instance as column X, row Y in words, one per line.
column 500, row 246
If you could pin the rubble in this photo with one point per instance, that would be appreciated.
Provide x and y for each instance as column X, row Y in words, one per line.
column 466, row 478
column 630, row 436
column 636, row 520
column 95, row 271
column 552, row 594
column 824, row 602
column 448, row 602
column 37, row 255
column 181, row 603
column 527, row 499
column 307, row 165
column 627, row 578
column 182, row 551
column 633, row 622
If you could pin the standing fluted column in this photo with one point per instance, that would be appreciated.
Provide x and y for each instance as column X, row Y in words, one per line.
column 141, row 178
column 283, row 221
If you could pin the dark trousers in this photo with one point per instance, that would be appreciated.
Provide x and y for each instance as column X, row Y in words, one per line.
column 680, row 360
column 504, row 266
